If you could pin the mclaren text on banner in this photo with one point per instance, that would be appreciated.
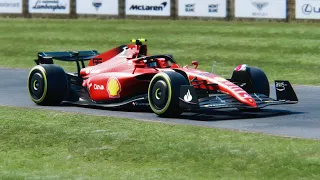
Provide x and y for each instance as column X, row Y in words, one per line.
column 148, row 7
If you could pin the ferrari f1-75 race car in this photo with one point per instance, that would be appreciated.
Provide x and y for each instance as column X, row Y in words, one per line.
column 128, row 77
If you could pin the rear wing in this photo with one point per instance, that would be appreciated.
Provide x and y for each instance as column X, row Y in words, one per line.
column 70, row 56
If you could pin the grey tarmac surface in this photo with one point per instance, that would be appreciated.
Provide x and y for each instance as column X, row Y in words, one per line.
column 299, row 120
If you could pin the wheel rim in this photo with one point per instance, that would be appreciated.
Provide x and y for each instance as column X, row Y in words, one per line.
column 36, row 85
column 160, row 91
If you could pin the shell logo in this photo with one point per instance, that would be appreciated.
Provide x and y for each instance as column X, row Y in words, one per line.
column 113, row 87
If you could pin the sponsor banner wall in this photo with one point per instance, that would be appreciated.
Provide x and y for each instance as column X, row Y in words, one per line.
column 307, row 9
column 275, row 9
column 49, row 6
column 148, row 7
column 110, row 7
column 11, row 6
column 203, row 8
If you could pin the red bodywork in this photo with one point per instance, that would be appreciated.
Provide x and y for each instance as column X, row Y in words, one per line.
column 116, row 75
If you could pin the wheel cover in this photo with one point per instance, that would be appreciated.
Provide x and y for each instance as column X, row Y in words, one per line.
column 160, row 91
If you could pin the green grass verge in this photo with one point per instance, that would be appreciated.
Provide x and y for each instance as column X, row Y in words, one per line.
column 38, row 144
column 282, row 50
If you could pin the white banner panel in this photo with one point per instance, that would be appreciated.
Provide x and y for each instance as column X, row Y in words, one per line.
column 275, row 9
column 10, row 6
column 148, row 7
column 203, row 8
column 308, row 9
column 49, row 6
column 110, row 7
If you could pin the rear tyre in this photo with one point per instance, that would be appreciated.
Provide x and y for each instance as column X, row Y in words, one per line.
column 47, row 84
column 164, row 92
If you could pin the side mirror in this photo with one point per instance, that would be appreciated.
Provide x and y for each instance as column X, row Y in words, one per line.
column 195, row 63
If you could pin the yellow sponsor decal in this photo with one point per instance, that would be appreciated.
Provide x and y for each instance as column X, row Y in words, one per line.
column 113, row 87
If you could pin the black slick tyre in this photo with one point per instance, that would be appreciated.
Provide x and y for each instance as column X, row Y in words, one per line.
column 259, row 80
column 164, row 92
column 256, row 82
column 47, row 84
column 255, row 79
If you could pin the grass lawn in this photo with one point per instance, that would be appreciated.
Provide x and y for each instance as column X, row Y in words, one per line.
column 43, row 144
column 282, row 50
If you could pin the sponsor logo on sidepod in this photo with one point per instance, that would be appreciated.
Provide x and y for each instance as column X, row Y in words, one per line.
column 188, row 96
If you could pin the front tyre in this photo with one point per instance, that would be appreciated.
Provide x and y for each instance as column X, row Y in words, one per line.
column 256, row 82
column 164, row 92
column 255, row 79
column 47, row 84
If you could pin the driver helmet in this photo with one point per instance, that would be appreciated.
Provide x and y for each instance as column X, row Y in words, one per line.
column 163, row 63
column 152, row 64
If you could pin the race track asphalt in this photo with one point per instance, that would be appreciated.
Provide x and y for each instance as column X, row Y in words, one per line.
column 299, row 120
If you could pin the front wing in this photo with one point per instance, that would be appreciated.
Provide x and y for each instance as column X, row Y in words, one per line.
column 284, row 91
column 219, row 101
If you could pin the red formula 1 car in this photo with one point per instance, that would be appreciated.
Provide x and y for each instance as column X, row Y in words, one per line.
column 127, row 77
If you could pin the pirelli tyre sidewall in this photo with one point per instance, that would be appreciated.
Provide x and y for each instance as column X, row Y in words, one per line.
column 47, row 84
column 163, row 93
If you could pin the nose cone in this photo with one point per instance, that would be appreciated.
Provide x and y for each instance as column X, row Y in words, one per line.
column 250, row 102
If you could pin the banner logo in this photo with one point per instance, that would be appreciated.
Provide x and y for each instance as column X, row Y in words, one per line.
column 189, row 7
column 213, row 8
column 50, row 4
column 11, row 6
column 149, row 8
column 97, row 4
column 260, row 5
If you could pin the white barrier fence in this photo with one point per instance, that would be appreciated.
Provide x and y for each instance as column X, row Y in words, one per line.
column 268, row 9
